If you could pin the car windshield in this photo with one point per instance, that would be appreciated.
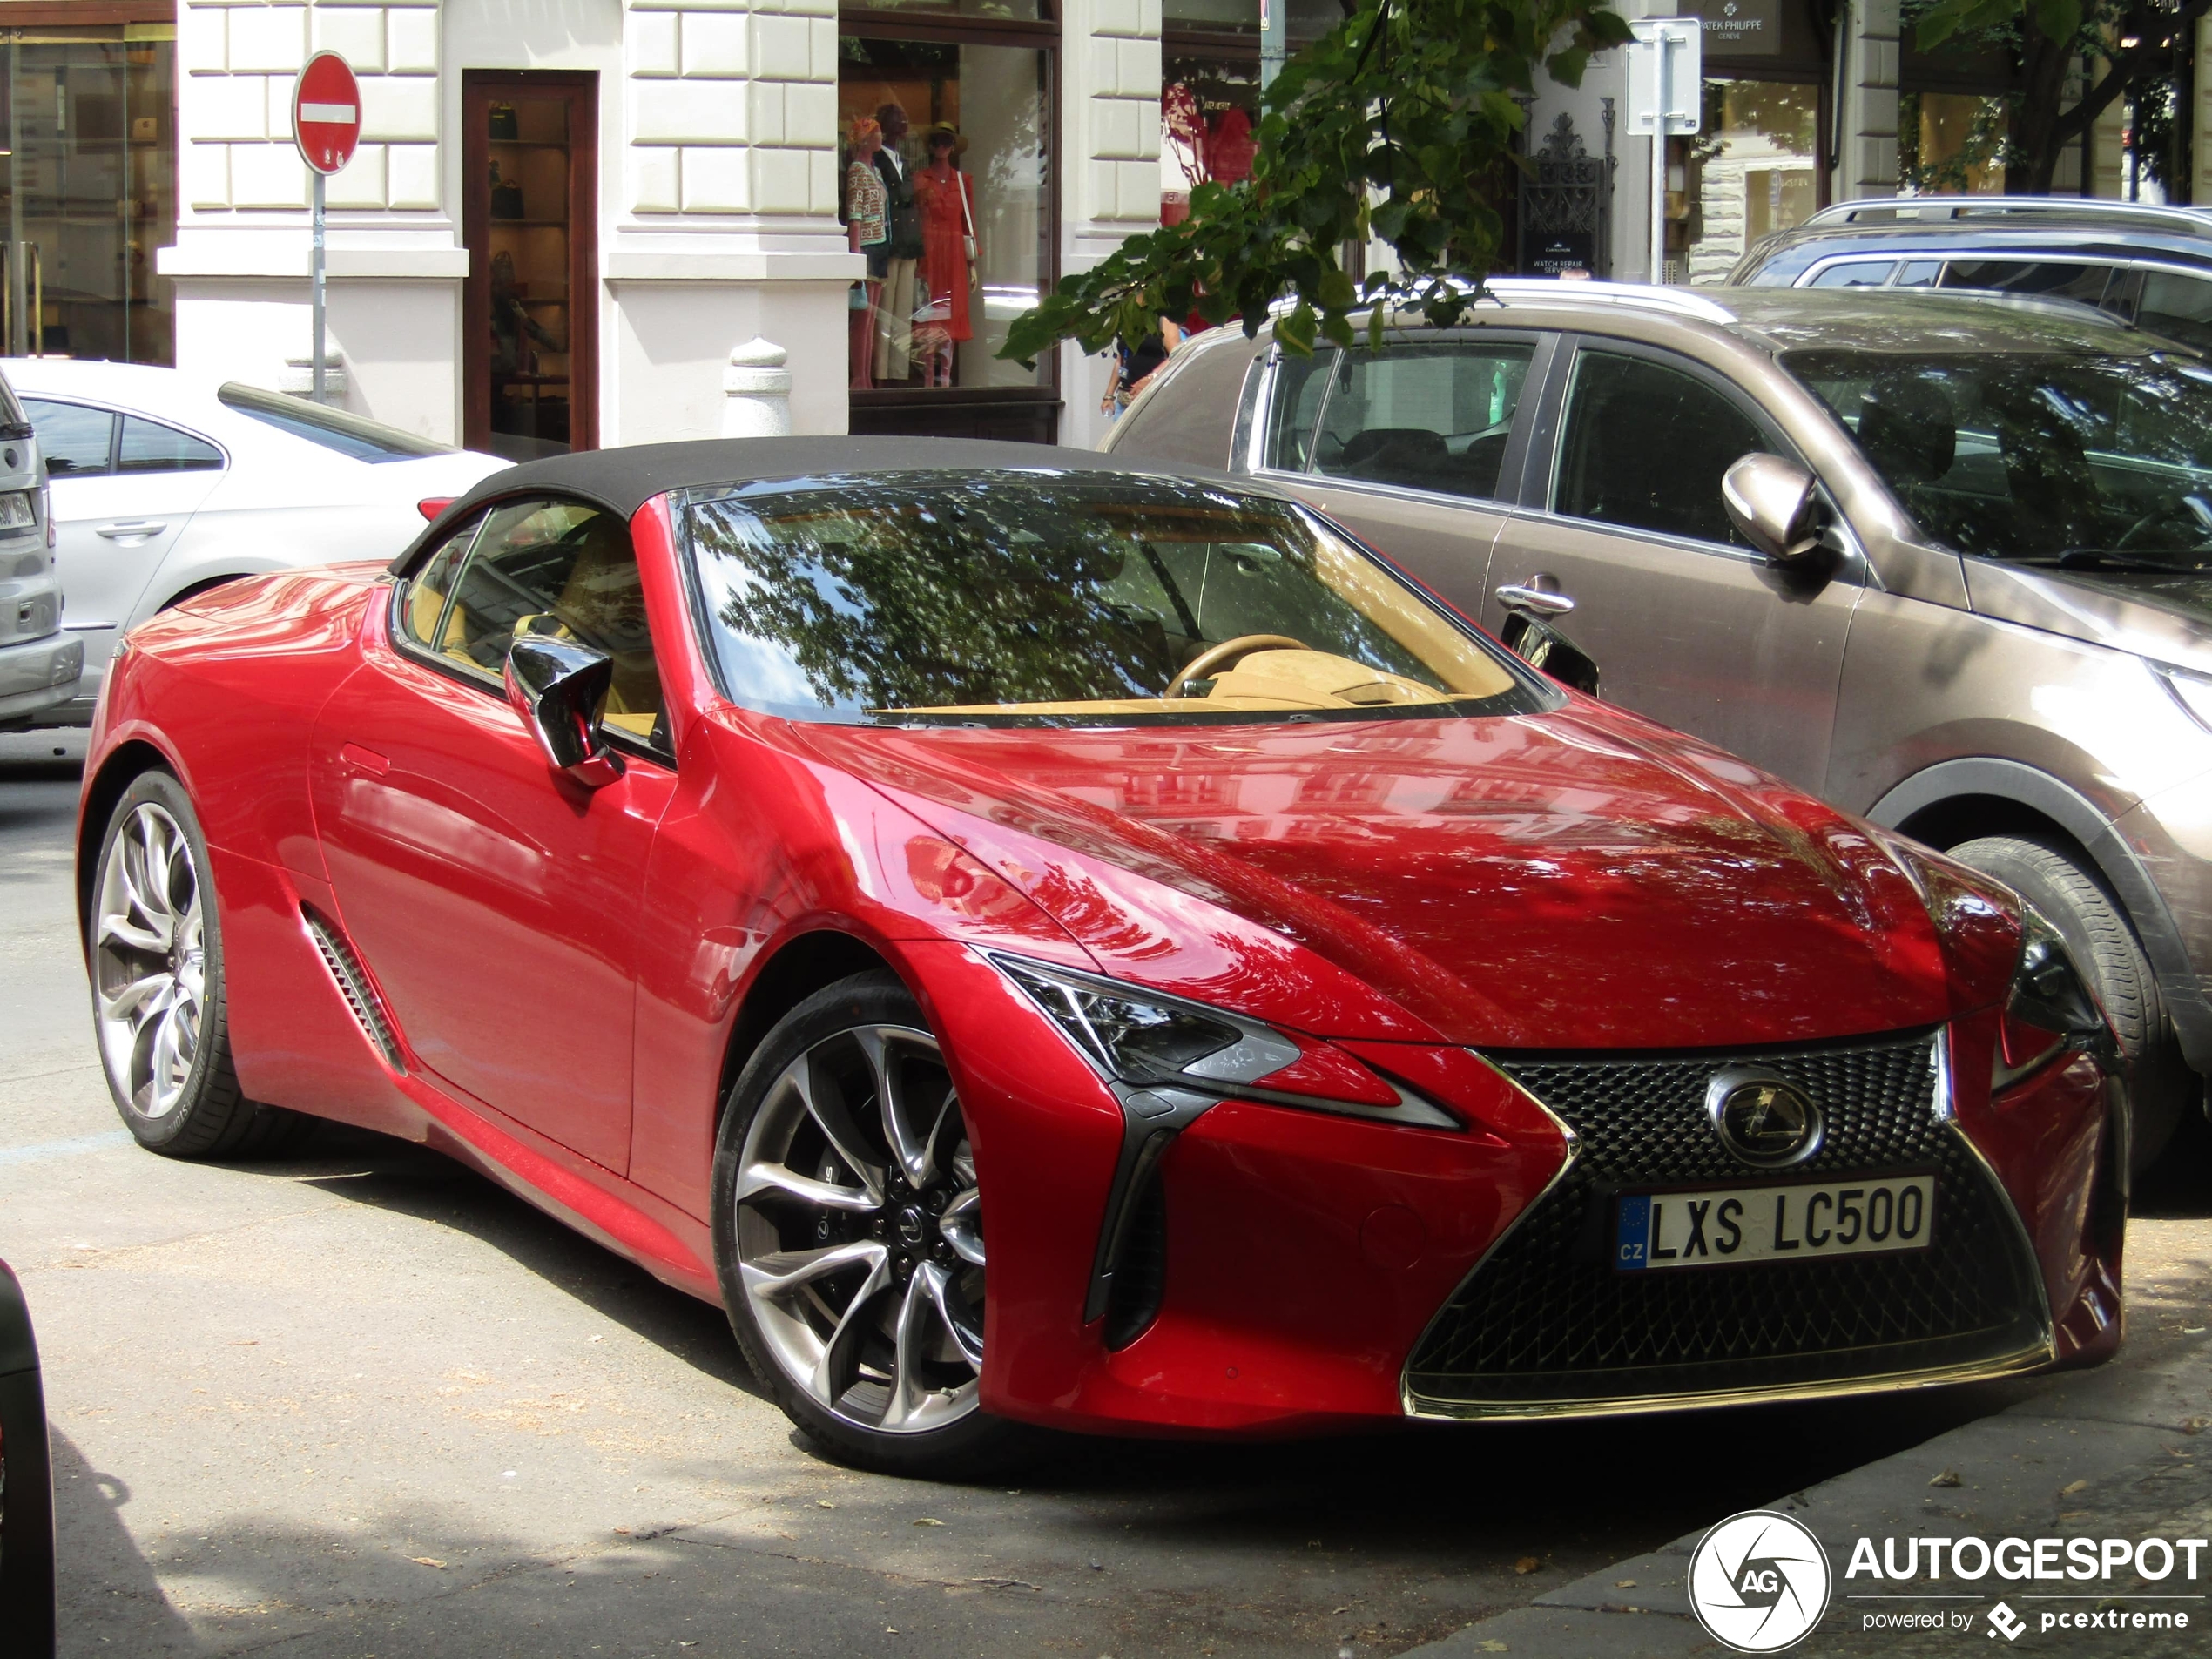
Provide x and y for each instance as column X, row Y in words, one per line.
column 1050, row 599
column 2079, row 460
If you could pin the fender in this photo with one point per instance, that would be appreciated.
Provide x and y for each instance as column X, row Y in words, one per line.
column 2115, row 861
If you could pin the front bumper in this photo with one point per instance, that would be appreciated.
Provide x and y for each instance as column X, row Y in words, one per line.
column 38, row 674
column 1295, row 1271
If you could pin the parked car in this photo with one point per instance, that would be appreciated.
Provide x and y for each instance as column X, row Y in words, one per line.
column 26, row 1484
column 2150, row 266
column 1959, row 588
column 164, row 485
column 793, row 861
column 39, row 662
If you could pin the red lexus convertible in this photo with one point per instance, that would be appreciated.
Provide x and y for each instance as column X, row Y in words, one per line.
column 796, row 862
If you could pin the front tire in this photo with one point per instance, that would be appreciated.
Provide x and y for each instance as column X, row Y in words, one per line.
column 2159, row 1082
column 848, row 1236
column 159, row 1006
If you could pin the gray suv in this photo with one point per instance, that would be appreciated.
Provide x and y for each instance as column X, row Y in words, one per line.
column 39, row 664
column 1945, row 560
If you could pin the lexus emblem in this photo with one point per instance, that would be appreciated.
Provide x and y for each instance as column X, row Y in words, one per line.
column 1761, row 1119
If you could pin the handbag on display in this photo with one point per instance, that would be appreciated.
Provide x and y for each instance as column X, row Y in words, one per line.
column 967, row 242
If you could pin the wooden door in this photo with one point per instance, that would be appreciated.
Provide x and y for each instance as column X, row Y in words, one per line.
column 529, row 342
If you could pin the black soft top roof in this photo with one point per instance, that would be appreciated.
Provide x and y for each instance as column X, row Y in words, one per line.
column 622, row 480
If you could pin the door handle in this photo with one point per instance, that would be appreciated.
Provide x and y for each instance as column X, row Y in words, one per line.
column 1533, row 601
column 354, row 757
column 138, row 528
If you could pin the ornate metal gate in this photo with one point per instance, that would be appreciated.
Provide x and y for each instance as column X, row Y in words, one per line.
column 1566, row 204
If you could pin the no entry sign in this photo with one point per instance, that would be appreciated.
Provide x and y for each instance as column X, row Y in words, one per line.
column 327, row 112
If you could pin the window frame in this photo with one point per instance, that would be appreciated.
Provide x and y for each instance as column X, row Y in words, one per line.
column 116, row 415
column 404, row 643
column 1544, row 344
column 1547, row 447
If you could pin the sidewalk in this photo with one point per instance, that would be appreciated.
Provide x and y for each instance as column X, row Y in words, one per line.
column 2116, row 1452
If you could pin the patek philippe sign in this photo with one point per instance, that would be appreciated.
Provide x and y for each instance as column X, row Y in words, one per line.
column 1742, row 27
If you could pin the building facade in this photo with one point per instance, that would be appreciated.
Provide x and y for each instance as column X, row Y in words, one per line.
column 565, row 214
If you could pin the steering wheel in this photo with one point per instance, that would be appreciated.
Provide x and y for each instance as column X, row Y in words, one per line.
column 1228, row 651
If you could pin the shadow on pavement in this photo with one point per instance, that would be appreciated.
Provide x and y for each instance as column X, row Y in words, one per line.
column 402, row 1178
column 109, row 1597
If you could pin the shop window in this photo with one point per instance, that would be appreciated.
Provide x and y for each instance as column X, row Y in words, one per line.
column 947, row 175
column 1753, row 171
column 1949, row 142
column 89, row 176
column 528, row 160
column 1208, row 114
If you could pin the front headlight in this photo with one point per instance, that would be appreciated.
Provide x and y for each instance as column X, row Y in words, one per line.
column 1145, row 1042
column 2050, row 1009
column 1140, row 1037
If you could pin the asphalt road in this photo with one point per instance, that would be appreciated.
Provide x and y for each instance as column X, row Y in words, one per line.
column 364, row 1403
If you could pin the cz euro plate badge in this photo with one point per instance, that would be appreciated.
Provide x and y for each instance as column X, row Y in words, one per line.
column 1661, row 1231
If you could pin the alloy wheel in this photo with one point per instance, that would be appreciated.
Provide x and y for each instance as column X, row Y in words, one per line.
column 149, row 961
column 860, row 1230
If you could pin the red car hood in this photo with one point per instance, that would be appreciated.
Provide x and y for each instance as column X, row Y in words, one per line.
column 1577, row 880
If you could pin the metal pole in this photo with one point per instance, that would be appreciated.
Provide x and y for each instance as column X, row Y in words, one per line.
column 1274, row 36
column 1662, row 44
column 17, row 335
column 318, row 283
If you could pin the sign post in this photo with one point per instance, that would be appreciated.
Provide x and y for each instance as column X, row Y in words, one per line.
column 1666, row 100
column 326, row 125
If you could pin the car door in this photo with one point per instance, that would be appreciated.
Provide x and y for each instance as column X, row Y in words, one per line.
column 1688, row 623
column 493, row 900
column 122, row 489
column 1410, row 446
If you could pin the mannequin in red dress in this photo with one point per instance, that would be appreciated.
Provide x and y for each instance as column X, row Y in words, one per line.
column 947, row 197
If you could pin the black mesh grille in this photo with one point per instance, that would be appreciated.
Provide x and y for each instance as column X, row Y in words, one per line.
column 1547, row 1320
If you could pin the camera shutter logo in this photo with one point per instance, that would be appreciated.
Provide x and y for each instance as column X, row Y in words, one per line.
column 1759, row 1581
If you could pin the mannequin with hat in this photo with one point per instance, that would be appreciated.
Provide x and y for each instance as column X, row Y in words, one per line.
column 947, row 197
column 868, row 232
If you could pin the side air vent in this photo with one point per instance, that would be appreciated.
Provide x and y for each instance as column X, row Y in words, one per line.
column 1140, row 1266
column 353, row 984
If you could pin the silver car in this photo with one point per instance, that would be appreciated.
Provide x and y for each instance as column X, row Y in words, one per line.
column 1945, row 560
column 39, row 662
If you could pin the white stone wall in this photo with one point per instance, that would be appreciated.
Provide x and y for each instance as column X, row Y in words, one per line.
column 1870, row 103
column 1110, row 145
column 731, row 107
column 237, row 63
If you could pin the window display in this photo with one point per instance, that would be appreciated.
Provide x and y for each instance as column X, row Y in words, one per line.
column 1755, row 170
column 88, row 186
column 959, row 150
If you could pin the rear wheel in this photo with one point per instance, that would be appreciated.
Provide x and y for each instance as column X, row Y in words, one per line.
column 2159, row 1082
column 158, row 1001
column 848, row 1235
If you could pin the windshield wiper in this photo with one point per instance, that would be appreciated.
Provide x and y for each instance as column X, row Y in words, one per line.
column 2092, row 558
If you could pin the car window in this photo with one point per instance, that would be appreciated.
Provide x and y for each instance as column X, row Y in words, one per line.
column 557, row 568
column 1855, row 273
column 1920, row 274
column 1434, row 416
column 149, row 446
column 1644, row 446
column 349, row 434
column 1299, row 383
column 2176, row 306
column 2060, row 279
column 424, row 616
column 76, row 440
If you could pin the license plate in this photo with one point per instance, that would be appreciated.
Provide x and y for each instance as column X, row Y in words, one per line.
column 1861, row 1216
column 15, row 512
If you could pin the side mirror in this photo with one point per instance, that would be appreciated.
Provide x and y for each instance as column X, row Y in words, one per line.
column 559, row 688
column 1548, row 651
column 1771, row 501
